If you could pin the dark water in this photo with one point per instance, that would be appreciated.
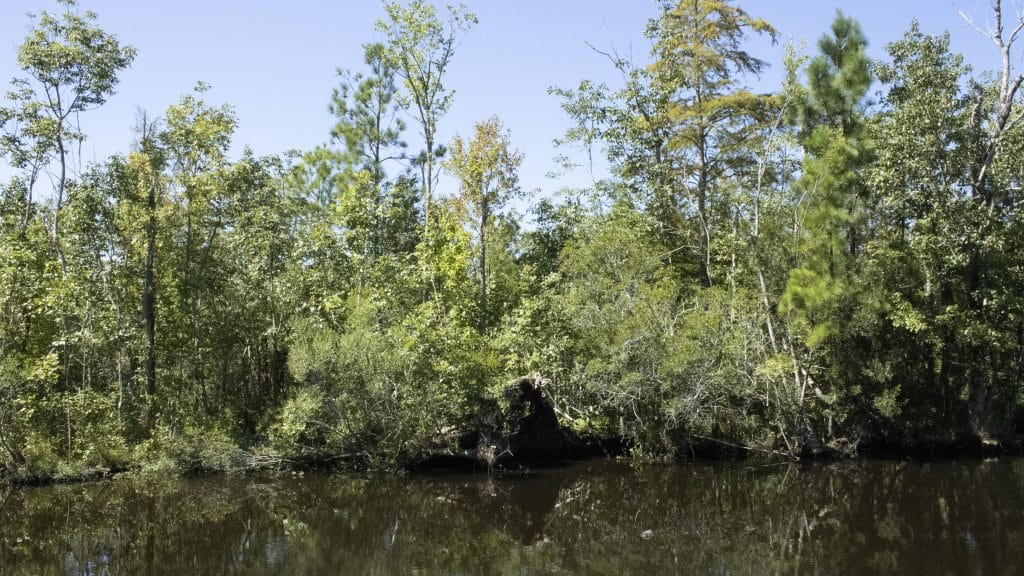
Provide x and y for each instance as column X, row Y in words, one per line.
column 948, row 517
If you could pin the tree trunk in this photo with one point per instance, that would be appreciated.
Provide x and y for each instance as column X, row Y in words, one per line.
column 703, row 183
column 483, row 267
column 149, row 291
column 64, row 352
column 428, row 175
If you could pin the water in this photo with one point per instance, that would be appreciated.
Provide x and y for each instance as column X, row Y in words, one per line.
column 873, row 517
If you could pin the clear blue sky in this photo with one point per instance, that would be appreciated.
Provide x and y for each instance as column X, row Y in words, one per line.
column 275, row 61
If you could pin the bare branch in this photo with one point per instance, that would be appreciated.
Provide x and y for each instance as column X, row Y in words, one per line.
column 970, row 22
column 621, row 64
column 1016, row 31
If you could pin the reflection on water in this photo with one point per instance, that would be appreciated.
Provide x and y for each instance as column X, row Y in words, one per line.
column 885, row 517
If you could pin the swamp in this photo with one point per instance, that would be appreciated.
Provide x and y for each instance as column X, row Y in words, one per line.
column 267, row 270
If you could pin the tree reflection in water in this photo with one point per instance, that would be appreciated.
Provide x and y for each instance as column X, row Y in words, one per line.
column 873, row 517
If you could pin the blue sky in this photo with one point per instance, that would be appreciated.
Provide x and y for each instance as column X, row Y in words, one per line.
column 275, row 61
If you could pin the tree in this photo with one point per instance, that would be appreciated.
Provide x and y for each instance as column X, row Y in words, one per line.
column 72, row 67
column 822, row 295
column 995, row 117
column 366, row 112
column 420, row 47
column 486, row 169
column 139, row 189
column 833, row 132
column 634, row 124
column 700, row 66
column 916, row 258
column 145, row 171
column 201, row 182
column 196, row 138
column 368, row 126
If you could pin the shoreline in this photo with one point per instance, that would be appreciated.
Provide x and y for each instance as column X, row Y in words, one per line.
column 463, row 461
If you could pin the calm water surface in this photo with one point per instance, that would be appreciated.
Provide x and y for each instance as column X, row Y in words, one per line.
column 875, row 517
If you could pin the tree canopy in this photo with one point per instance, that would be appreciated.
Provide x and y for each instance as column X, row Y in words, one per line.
column 831, row 265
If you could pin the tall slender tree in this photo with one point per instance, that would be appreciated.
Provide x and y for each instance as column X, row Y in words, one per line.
column 366, row 109
column 370, row 130
column 486, row 167
column 995, row 116
column 833, row 131
column 420, row 47
column 701, row 64
column 71, row 66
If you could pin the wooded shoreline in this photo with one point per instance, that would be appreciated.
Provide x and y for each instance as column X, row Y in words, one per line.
column 830, row 268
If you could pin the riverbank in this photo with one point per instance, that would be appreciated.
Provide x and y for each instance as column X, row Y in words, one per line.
column 457, row 460
column 526, row 433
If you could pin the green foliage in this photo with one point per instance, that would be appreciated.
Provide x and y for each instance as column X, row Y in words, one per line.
column 71, row 66
column 419, row 47
column 486, row 168
column 757, row 271
column 367, row 109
